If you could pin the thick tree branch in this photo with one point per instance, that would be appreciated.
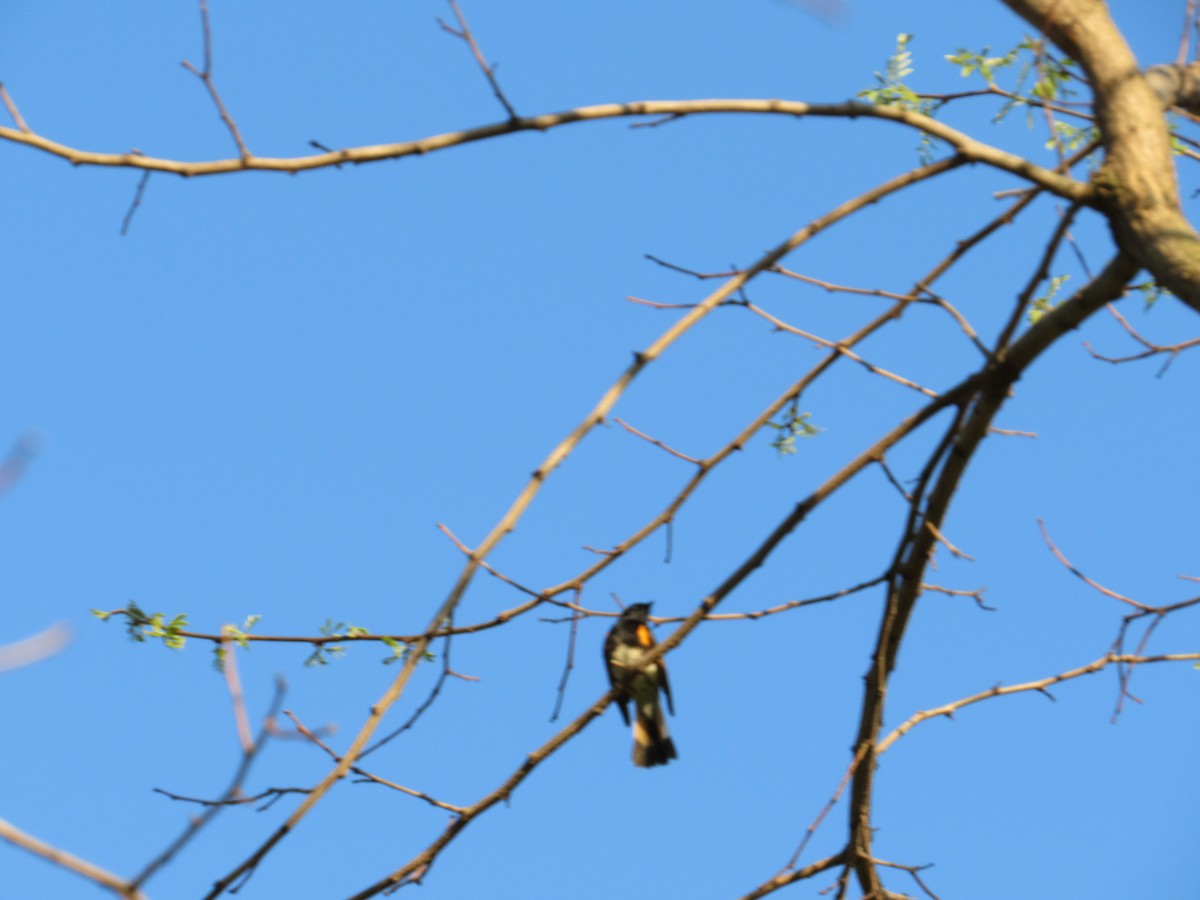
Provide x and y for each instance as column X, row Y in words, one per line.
column 1137, row 182
column 912, row 559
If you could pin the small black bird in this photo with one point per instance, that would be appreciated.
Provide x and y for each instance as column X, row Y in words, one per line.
column 626, row 646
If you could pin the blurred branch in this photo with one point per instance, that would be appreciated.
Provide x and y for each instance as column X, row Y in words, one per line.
column 708, row 465
column 1152, row 349
column 791, row 877
column 62, row 858
column 34, row 648
column 250, row 753
column 205, row 76
column 17, row 460
column 464, row 33
column 13, row 111
column 365, row 775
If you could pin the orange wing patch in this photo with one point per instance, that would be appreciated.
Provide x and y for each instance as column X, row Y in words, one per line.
column 644, row 637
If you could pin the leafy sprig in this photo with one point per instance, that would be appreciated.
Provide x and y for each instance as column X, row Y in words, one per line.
column 792, row 425
column 1045, row 302
column 140, row 625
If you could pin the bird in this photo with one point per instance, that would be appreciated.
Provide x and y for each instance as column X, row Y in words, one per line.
column 626, row 646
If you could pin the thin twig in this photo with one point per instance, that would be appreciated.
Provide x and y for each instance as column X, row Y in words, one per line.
column 1040, row 686
column 229, row 667
column 1152, row 349
column 434, row 693
column 235, row 786
column 841, row 349
column 561, row 693
column 464, row 32
column 656, row 442
column 976, row 594
column 1190, row 20
column 825, row 810
column 1093, row 584
column 945, row 542
column 205, row 76
column 1012, row 432
column 13, row 111
column 138, row 193
column 239, row 800
column 911, row 870
column 361, row 773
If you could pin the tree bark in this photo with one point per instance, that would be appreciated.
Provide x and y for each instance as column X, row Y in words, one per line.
column 1137, row 181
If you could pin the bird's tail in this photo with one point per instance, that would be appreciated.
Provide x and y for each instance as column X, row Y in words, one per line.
column 652, row 744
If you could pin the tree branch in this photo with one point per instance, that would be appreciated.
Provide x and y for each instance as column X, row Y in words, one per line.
column 968, row 148
column 1137, row 183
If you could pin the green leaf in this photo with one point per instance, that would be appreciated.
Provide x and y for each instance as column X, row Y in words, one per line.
column 1151, row 292
column 969, row 63
column 794, row 424
column 1045, row 303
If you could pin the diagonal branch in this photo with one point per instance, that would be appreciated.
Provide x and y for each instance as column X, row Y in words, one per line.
column 912, row 559
column 508, row 521
column 463, row 31
column 249, row 755
column 205, row 76
column 62, row 858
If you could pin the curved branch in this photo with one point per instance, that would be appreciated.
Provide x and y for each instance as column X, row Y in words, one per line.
column 948, row 709
column 964, row 146
column 962, row 440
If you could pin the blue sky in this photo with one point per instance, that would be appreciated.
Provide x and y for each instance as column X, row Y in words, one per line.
column 264, row 398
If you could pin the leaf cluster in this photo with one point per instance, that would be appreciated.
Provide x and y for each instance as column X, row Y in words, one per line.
column 792, row 425
column 140, row 625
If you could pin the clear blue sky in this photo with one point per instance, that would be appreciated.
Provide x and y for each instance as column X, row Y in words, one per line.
column 263, row 398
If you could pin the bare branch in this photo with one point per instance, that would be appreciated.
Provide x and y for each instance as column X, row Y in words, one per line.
column 71, row 863
column 840, row 349
column 229, row 668
column 205, row 76
column 656, row 442
column 234, row 790
column 964, row 146
column 464, row 32
column 1041, row 686
column 1152, row 349
column 1074, row 571
column 34, row 648
column 138, row 193
column 367, row 776
column 13, row 111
